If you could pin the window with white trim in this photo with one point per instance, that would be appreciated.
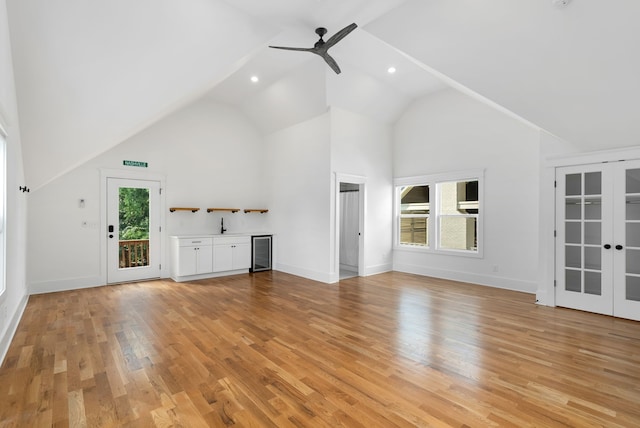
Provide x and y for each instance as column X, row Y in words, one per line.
column 440, row 212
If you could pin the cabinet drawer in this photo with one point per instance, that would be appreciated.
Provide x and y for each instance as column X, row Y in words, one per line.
column 230, row 240
column 189, row 242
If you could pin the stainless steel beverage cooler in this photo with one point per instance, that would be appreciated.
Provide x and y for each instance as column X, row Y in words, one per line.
column 260, row 253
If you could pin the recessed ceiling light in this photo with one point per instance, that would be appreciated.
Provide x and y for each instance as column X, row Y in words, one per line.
column 391, row 70
column 560, row 3
column 255, row 79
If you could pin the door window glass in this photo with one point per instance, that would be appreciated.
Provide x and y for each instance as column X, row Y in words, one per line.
column 133, row 213
column 583, row 232
column 633, row 180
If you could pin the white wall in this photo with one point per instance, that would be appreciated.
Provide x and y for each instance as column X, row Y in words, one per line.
column 448, row 132
column 298, row 96
column 356, row 91
column 298, row 159
column 211, row 156
column 362, row 146
column 14, row 299
column 550, row 147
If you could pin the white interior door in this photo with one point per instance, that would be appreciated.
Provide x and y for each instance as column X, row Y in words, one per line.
column 626, row 244
column 349, row 229
column 133, row 230
column 598, row 238
column 584, row 221
column 350, row 226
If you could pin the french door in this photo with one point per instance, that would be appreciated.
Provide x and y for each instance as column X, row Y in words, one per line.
column 133, row 230
column 598, row 238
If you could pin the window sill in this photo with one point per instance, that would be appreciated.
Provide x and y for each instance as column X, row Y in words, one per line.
column 426, row 250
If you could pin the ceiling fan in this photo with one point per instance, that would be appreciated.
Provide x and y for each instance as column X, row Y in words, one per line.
column 321, row 47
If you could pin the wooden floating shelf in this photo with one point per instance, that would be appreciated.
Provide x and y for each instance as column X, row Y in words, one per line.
column 193, row 210
column 233, row 210
column 261, row 211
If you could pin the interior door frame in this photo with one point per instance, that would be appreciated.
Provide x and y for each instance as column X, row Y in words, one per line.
column 361, row 182
column 106, row 174
column 545, row 294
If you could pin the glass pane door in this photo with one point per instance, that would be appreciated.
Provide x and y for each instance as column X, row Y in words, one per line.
column 582, row 280
column 627, row 245
column 133, row 232
column 632, row 235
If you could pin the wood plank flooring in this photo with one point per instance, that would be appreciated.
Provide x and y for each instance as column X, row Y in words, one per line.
column 276, row 350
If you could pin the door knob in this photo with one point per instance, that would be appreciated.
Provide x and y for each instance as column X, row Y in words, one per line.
column 618, row 247
column 607, row 246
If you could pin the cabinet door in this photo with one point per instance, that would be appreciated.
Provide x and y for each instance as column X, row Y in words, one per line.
column 204, row 263
column 222, row 258
column 241, row 256
column 187, row 261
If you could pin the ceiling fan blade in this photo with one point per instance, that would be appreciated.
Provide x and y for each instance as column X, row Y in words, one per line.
column 292, row 49
column 332, row 62
column 339, row 35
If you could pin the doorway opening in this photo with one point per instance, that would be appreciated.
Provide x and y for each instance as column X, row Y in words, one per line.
column 350, row 206
column 349, row 229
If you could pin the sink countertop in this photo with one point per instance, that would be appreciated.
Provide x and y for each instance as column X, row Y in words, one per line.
column 214, row 235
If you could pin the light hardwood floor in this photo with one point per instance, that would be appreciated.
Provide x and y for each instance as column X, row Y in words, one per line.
column 276, row 350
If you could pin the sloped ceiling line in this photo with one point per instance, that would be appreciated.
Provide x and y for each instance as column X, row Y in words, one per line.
column 89, row 75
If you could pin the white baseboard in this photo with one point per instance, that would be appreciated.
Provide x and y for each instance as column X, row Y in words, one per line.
column 208, row 275
column 473, row 278
column 377, row 269
column 65, row 284
column 12, row 326
column 327, row 278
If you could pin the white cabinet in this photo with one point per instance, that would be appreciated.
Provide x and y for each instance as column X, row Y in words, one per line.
column 206, row 256
column 231, row 253
column 191, row 256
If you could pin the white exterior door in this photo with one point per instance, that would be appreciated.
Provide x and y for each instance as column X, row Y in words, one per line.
column 598, row 238
column 133, row 230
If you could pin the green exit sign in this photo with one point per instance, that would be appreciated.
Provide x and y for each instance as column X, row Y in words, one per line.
column 135, row 163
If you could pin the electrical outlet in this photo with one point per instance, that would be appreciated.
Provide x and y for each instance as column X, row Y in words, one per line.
column 495, row 268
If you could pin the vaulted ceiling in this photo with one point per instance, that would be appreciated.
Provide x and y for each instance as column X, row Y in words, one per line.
column 91, row 74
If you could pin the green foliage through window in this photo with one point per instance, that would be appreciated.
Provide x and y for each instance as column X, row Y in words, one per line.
column 134, row 213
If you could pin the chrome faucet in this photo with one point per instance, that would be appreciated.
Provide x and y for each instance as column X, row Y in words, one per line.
column 222, row 229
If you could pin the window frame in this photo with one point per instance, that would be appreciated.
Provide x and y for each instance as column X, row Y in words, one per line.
column 425, row 216
column 433, row 229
